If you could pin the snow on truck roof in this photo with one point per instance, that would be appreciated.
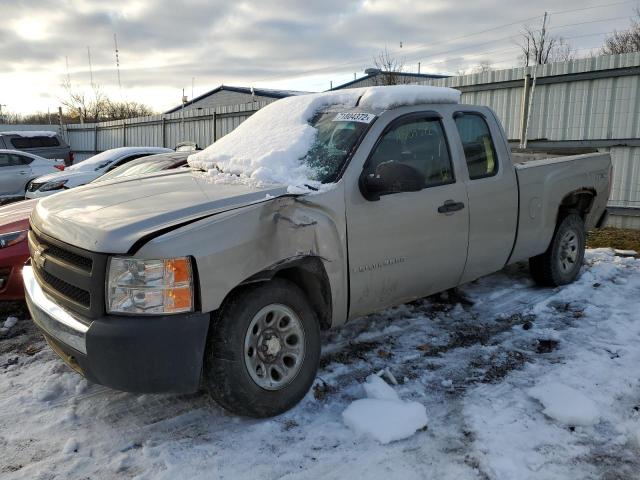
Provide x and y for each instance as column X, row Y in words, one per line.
column 269, row 146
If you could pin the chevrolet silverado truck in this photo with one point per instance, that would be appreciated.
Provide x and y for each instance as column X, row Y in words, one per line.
column 172, row 282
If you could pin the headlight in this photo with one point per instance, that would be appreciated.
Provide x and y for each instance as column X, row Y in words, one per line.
column 149, row 287
column 8, row 239
column 57, row 185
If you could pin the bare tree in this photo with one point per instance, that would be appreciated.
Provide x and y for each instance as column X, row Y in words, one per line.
column 538, row 47
column 390, row 67
column 482, row 67
column 80, row 108
column 625, row 41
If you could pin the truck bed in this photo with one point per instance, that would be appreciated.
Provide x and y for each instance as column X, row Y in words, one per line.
column 544, row 180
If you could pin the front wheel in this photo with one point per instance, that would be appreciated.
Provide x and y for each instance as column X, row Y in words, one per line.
column 561, row 263
column 263, row 350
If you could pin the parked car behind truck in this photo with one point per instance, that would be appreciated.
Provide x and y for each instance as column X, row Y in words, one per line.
column 46, row 144
column 88, row 170
column 18, row 168
column 180, row 279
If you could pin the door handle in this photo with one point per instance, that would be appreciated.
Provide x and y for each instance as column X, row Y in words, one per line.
column 450, row 206
column 23, row 173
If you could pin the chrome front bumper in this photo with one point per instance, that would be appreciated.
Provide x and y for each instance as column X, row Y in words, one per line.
column 51, row 318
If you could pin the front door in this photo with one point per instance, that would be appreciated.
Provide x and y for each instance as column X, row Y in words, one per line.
column 407, row 244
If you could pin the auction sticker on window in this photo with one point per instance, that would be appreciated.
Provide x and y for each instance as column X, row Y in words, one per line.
column 354, row 117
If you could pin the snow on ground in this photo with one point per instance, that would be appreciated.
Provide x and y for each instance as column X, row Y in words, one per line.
column 496, row 379
column 267, row 148
column 383, row 415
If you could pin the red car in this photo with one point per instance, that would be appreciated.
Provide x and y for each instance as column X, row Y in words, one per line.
column 14, row 221
column 14, row 252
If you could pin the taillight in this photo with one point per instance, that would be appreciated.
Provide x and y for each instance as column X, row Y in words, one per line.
column 59, row 166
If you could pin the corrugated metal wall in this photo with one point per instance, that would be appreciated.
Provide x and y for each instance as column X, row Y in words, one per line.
column 588, row 102
column 159, row 130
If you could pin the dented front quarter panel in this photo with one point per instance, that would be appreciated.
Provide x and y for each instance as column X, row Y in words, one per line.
column 231, row 247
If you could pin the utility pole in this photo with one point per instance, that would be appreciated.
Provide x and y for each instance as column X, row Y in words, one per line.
column 115, row 42
column 90, row 67
column 523, row 142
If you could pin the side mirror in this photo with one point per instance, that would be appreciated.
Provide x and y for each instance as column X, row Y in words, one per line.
column 390, row 177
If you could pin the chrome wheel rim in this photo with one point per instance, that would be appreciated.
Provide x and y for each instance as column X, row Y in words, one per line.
column 569, row 248
column 274, row 347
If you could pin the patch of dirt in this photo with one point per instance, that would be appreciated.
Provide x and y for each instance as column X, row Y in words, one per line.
column 546, row 345
column 353, row 352
column 501, row 363
column 322, row 390
column 620, row 238
column 471, row 334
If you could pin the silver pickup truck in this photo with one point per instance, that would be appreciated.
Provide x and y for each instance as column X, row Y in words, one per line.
column 171, row 282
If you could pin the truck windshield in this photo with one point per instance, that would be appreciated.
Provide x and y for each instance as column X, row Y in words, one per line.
column 333, row 144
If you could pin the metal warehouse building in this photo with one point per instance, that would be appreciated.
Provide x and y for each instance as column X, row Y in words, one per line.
column 225, row 96
column 375, row 77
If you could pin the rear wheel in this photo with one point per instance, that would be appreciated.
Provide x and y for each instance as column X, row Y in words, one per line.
column 561, row 263
column 263, row 350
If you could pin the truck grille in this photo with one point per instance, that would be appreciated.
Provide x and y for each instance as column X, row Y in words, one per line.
column 73, row 293
column 72, row 276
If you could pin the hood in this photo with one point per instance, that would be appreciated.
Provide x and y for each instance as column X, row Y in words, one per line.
column 15, row 216
column 109, row 217
column 75, row 177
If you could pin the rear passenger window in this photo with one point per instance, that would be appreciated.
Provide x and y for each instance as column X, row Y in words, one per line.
column 419, row 143
column 20, row 160
column 5, row 160
column 34, row 142
column 479, row 150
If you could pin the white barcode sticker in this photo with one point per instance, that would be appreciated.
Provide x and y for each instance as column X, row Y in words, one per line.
column 354, row 117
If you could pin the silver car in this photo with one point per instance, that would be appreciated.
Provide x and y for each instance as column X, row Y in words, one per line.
column 17, row 169
column 45, row 144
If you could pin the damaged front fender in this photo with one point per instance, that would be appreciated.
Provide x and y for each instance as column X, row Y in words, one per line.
column 251, row 243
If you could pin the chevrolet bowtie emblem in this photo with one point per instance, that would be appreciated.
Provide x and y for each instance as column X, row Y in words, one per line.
column 38, row 257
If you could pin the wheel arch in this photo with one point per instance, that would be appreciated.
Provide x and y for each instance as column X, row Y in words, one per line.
column 308, row 273
column 579, row 201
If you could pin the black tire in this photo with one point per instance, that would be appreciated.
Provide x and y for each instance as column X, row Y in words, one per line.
column 561, row 263
column 226, row 372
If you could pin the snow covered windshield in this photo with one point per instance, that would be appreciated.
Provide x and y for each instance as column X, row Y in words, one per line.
column 304, row 140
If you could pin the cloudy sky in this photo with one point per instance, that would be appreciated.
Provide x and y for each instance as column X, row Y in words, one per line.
column 302, row 44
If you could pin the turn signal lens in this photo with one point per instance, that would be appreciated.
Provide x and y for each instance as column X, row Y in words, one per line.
column 148, row 287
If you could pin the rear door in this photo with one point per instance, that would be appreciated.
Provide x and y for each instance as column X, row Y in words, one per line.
column 492, row 191
column 407, row 244
column 14, row 174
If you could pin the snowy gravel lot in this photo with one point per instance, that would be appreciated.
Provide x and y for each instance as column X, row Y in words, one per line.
column 523, row 383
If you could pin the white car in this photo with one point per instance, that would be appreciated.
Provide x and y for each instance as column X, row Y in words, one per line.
column 88, row 170
column 18, row 168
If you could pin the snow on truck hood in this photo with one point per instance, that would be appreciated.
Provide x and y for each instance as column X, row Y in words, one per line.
column 109, row 217
column 268, row 147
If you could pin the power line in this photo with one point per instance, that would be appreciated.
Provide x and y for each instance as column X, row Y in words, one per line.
column 421, row 47
column 562, row 12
